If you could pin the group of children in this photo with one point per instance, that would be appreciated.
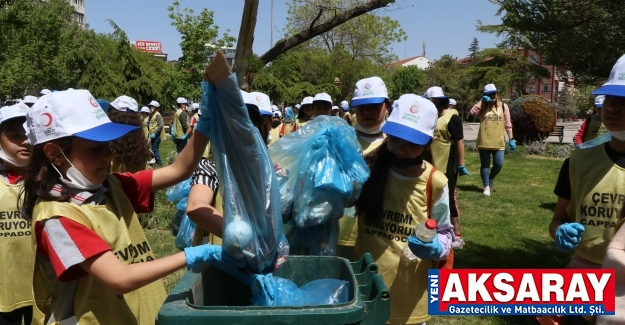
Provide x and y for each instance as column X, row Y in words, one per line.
column 76, row 252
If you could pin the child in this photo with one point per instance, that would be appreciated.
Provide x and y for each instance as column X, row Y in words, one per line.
column 193, row 110
column 180, row 125
column 347, row 116
column 156, row 130
column 403, row 191
column 321, row 105
column 130, row 152
column 304, row 115
column 448, row 153
column 490, row 138
column 335, row 111
column 145, row 119
column 276, row 124
column 94, row 264
column 17, row 254
column 371, row 103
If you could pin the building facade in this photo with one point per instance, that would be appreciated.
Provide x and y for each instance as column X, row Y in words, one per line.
column 79, row 11
column 420, row 62
column 545, row 87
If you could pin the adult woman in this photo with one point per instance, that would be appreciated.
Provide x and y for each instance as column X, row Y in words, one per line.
column 494, row 119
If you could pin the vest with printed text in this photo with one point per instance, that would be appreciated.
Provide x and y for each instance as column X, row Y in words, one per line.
column 492, row 127
column 404, row 207
column 597, row 197
column 17, row 253
column 595, row 128
column 117, row 224
column 442, row 145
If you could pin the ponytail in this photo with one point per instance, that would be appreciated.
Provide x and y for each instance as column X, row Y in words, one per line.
column 369, row 204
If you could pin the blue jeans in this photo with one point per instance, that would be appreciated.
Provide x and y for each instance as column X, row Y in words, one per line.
column 155, row 150
column 485, row 171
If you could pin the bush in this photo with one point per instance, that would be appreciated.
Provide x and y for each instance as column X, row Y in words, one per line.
column 470, row 146
column 537, row 147
column 560, row 151
column 533, row 118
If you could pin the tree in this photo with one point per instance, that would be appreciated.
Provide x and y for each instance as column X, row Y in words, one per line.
column 405, row 80
column 474, row 48
column 199, row 41
column 582, row 36
column 244, row 45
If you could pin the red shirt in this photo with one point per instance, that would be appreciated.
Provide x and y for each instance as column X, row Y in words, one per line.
column 67, row 243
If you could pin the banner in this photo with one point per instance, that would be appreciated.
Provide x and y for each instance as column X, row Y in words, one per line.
column 511, row 292
column 149, row 46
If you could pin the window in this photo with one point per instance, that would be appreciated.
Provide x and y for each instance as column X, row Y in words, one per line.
column 531, row 89
column 78, row 17
column 545, row 88
column 533, row 59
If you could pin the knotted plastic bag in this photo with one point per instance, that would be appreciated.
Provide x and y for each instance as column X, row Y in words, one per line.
column 280, row 292
column 252, row 217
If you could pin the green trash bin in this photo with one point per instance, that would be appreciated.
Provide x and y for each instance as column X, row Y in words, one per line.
column 214, row 297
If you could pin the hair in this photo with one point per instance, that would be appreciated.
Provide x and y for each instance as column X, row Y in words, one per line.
column 40, row 177
column 132, row 148
column 441, row 103
column 302, row 115
column 258, row 121
column 8, row 124
column 322, row 106
column 369, row 204
column 485, row 107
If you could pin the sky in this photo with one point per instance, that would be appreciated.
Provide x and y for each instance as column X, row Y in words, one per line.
column 448, row 26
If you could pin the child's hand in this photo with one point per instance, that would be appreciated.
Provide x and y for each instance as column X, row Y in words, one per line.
column 423, row 250
column 568, row 236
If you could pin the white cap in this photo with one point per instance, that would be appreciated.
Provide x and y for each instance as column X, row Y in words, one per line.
column 599, row 101
column 259, row 100
column 413, row 119
column 370, row 91
column 616, row 82
column 145, row 109
column 182, row 100
column 335, row 108
column 297, row 106
column 345, row 105
column 125, row 104
column 435, row 92
column 66, row 113
column 154, row 103
column 30, row 99
column 13, row 111
column 195, row 106
column 322, row 97
column 307, row 101
column 452, row 102
column 274, row 108
column 394, row 106
column 277, row 114
column 44, row 91
column 489, row 89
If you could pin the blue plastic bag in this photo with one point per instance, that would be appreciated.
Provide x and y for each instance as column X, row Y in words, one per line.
column 321, row 171
column 252, row 218
column 178, row 194
column 288, row 115
column 185, row 235
column 280, row 292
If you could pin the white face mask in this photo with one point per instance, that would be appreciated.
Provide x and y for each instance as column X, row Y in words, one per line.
column 76, row 179
column 11, row 160
column 269, row 137
column 375, row 130
column 620, row 135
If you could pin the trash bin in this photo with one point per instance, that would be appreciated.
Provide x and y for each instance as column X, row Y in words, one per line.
column 214, row 297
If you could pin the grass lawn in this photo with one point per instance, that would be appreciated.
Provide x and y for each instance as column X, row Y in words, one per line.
column 506, row 230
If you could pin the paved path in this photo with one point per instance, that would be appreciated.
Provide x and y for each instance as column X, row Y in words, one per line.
column 570, row 128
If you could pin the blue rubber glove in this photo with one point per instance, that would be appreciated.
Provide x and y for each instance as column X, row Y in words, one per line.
column 568, row 236
column 512, row 145
column 153, row 136
column 199, row 257
column 184, row 137
column 263, row 289
column 462, row 171
column 486, row 99
column 423, row 250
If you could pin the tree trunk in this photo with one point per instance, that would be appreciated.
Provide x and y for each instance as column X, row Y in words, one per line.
column 313, row 30
column 245, row 42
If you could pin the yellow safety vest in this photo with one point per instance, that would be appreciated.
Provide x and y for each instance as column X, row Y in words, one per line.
column 17, row 252
column 154, row 125
column 595, row 128
column 275, row 134
column 348, row 227
column 492, row 127
column 441, row 147
column 118, row 225
column 144, row 122
column 178, row 131
column 404, row 207
column 597, row 196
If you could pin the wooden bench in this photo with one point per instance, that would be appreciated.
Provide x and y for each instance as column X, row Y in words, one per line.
column 558, row 131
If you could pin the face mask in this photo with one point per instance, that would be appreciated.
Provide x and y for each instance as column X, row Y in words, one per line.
column 269, row 137
column 372, row 131
column 403, row 163
column 275, row 124
column 12, row 161
column 76, row 179
column 620, row 135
